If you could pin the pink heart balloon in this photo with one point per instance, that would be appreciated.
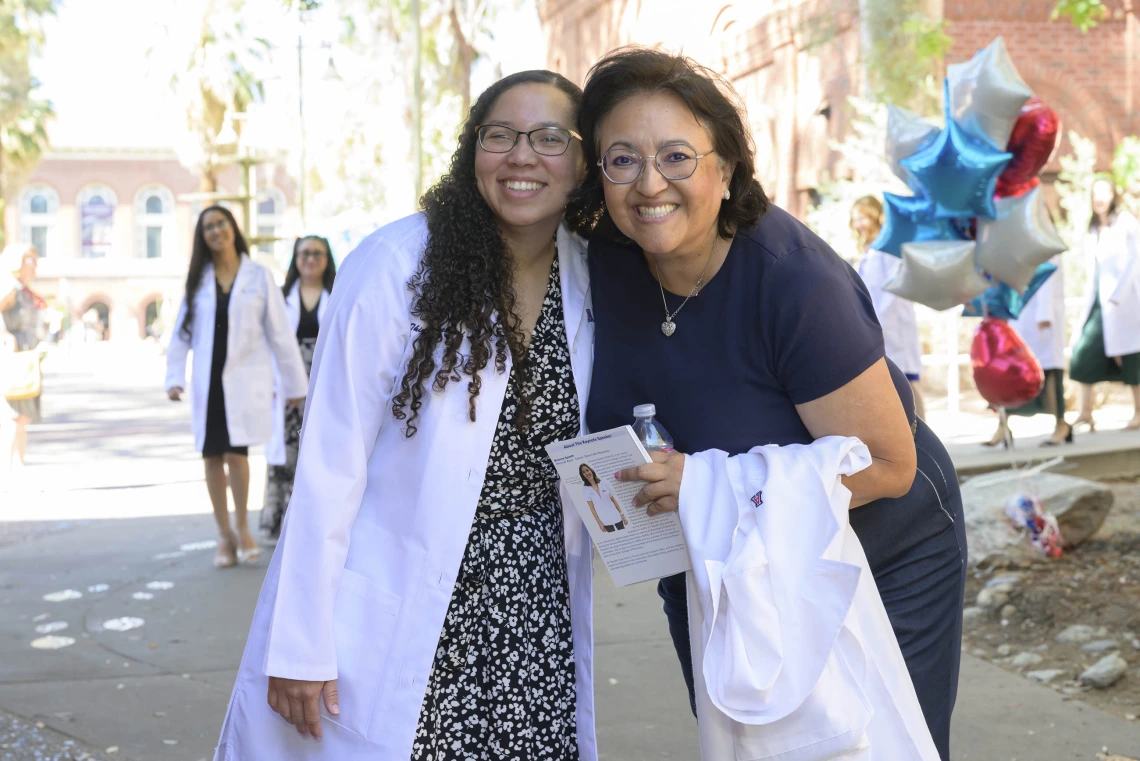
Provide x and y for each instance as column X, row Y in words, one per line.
column 1005, row 370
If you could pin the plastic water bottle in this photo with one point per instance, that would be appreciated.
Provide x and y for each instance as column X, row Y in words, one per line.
column 649, row 432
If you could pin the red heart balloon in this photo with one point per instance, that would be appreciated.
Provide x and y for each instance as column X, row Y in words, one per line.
column 1005, row 370
column 1032, row 142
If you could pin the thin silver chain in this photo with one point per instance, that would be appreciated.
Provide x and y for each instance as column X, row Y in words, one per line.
column 693, row 292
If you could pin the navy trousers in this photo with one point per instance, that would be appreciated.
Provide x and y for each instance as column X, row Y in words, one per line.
column 916, row 547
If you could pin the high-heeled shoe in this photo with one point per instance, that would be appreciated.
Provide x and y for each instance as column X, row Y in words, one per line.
column 1052, row 442
column 1089, row 424
column 1001, row 436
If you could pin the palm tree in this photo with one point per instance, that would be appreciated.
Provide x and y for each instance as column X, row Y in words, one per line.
column 23, row 117
column 216, row 70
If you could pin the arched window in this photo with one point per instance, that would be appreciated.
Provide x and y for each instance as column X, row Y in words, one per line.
column 39, row 210
column 270, row 218
column 96, row 221
column 154, row 222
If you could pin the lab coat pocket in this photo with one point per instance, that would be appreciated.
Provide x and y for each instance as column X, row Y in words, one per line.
column 830, row 724
column 364, row 618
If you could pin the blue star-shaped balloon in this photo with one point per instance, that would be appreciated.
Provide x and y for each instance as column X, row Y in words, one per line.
column 910, row 219
column 1005, row 303
column 958, row 172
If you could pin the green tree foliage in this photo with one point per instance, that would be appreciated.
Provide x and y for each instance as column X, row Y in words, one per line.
column 1084, row 14
column 216, row 68
column 23, row 116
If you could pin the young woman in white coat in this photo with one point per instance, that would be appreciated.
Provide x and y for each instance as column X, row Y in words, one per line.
column 233, row 320
column 429, row 597
column 896, row 314
column 1042, row 325
column 1108, row 345
column 308, row 284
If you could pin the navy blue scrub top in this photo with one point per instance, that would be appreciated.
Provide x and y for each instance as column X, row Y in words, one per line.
column 783, row 322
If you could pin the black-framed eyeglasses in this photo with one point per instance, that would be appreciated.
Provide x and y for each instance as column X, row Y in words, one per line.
column 678, row 161
column 547, row 141
column 311, row 254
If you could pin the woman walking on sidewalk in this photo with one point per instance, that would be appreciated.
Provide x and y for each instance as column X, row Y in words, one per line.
column 21, row 309
column 1108, row 345
column 308, row 284
column 233, row 319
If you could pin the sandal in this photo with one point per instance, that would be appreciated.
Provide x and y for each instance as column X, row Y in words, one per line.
column 248, row 555
column 227, row 555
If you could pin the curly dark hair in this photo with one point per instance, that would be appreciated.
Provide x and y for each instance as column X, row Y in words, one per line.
column 200, row 256
column 634, row 70
column 466, row 276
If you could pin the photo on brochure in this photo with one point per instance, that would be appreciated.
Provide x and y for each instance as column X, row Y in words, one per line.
column 634, row 546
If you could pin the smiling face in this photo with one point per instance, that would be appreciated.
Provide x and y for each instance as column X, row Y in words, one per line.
column 522, row 187
column 312, row 259
column 587, row 475
column 665, row 217
column 1103, row 194
column 218, row 231
column 864, row 226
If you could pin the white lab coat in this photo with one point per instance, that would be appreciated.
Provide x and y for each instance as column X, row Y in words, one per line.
column 376, row 530
column 1117, row 251
column 1047, row 305
column 794, row 657
column 258, row 336
column 275, row 449
column 896, row 314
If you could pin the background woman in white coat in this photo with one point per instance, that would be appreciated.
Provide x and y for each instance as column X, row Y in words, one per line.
column 896, row 314
column 308, row 283
column 1042, row 325
column 427, row 599
column 233, row 319
column 1108, row 345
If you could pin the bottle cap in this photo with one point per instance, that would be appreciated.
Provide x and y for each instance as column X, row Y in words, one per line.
column 645, row 410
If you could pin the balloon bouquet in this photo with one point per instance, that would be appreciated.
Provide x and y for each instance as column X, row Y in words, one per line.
column 976, row 231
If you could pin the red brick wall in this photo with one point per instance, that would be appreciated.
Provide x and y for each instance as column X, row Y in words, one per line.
column 1089, row 79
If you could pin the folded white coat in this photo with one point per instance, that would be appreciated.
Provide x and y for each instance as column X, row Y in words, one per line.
column 794, row 658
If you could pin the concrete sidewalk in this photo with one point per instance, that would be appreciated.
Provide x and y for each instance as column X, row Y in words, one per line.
column 117, row 512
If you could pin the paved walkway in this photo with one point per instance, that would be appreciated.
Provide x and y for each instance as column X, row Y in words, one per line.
column 119, row 512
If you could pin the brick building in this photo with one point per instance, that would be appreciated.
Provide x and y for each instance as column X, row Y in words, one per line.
column 795, row 94
column 114, row 229
column 1089, row 79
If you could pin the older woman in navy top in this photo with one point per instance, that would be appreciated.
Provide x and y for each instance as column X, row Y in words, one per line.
column 745, row 329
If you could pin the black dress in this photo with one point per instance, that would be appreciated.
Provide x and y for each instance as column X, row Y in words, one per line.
column 217, row 441
column 502, row 683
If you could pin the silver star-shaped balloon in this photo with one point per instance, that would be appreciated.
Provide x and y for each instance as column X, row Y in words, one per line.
column 906, row 133
column 987, row 93
column 938, row 273
column 1018, row 239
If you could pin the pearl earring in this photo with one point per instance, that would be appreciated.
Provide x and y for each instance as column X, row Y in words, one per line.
column 727, row 194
